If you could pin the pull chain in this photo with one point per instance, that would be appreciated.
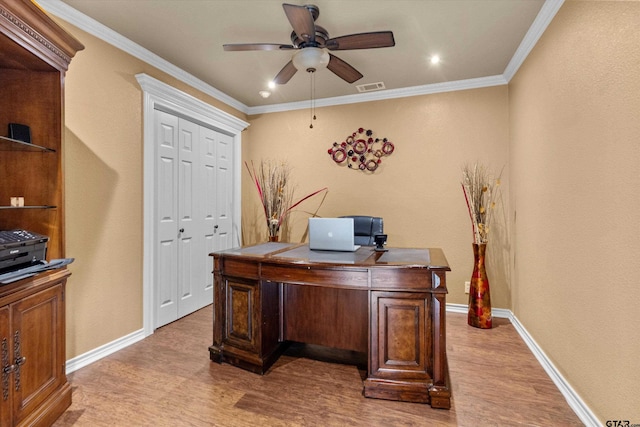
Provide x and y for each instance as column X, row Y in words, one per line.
column 313, row 96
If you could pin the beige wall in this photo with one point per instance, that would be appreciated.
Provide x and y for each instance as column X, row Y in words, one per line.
column 575, row 194
column 565, row 129
column 417, row 188
column 103, row 170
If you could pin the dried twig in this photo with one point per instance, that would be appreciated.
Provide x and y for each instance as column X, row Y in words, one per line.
column 275, row 191
column 480, row 190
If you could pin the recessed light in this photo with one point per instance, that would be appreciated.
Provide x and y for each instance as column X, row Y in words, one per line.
column 435, row 59
column 264, row 93
column 272, row 84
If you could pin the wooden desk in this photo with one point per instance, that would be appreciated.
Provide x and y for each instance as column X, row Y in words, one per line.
column 390, row 305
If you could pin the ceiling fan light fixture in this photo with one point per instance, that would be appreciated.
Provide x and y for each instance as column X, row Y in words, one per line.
column 310, row 59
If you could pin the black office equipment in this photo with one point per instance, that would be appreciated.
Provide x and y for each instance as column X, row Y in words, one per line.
column 20, row 248
column 20, row 132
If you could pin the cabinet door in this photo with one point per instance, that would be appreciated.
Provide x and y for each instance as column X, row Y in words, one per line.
column 243, row 315
column 38, row 349
column 5, row 358
column 400, row 336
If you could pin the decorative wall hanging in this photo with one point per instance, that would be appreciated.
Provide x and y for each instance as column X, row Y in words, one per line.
column 361, row 151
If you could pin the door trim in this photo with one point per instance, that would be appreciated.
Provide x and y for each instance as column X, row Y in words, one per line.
column 160, row 96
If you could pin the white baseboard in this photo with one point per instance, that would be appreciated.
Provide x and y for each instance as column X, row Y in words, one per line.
column 463, row 308
column 103, row 351
column 573, row 399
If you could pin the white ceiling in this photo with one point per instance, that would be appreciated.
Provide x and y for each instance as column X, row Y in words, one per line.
column 475, row 38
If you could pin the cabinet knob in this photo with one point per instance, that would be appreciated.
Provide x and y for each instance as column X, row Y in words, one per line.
column 181, row 230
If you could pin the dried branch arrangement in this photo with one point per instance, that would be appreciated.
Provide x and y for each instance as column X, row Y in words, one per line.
column 480, row 190
column 272, row 181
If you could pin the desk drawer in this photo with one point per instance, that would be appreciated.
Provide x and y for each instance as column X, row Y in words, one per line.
column 240, row 268
column 331, row 277
column 400, row 278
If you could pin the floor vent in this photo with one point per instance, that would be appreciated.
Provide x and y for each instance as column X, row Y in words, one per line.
column 369, row 87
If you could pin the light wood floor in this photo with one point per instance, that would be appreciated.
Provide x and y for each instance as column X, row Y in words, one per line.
column 168, row 380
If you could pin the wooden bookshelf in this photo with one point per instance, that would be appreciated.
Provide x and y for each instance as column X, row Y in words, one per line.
column 34, row 56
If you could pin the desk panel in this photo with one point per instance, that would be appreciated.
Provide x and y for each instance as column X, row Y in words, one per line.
column 331, row 317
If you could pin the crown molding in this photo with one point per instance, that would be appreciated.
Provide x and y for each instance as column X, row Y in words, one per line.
column 540, row 24
column 384, row 94
column 93, row 27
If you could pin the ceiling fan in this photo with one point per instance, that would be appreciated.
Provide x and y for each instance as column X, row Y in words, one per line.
column 312, row 42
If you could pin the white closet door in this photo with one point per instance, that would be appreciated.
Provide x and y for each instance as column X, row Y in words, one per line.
column 208, row 142
column 224, row 193
column 217, row 155
column 191, row 243
column 194, row 202
column 166, row 247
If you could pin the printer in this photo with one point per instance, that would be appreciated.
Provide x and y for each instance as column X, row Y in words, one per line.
column 21, row 248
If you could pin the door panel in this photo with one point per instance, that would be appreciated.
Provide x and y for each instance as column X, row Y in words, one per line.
column 166, row 289
column 224, row 192
column 208, row 138
column 188, row 195
column 400, row 325
column 166, row 248
column 39, row 333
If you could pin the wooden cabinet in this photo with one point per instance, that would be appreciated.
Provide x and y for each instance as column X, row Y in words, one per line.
column 34, row 56
column 250, row 317
column 398, row 321
column 35, row 390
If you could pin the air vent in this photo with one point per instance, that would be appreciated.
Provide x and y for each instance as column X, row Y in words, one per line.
column 369, row 87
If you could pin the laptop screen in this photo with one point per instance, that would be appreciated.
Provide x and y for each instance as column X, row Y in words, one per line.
column 331, row 234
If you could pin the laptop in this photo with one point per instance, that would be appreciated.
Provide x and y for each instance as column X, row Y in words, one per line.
column 331, row 234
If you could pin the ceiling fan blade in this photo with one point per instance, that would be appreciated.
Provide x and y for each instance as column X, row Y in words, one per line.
column 301, row 20
column 285, row 74
column 256, row 46
column 343, row 70
column 362, row 41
